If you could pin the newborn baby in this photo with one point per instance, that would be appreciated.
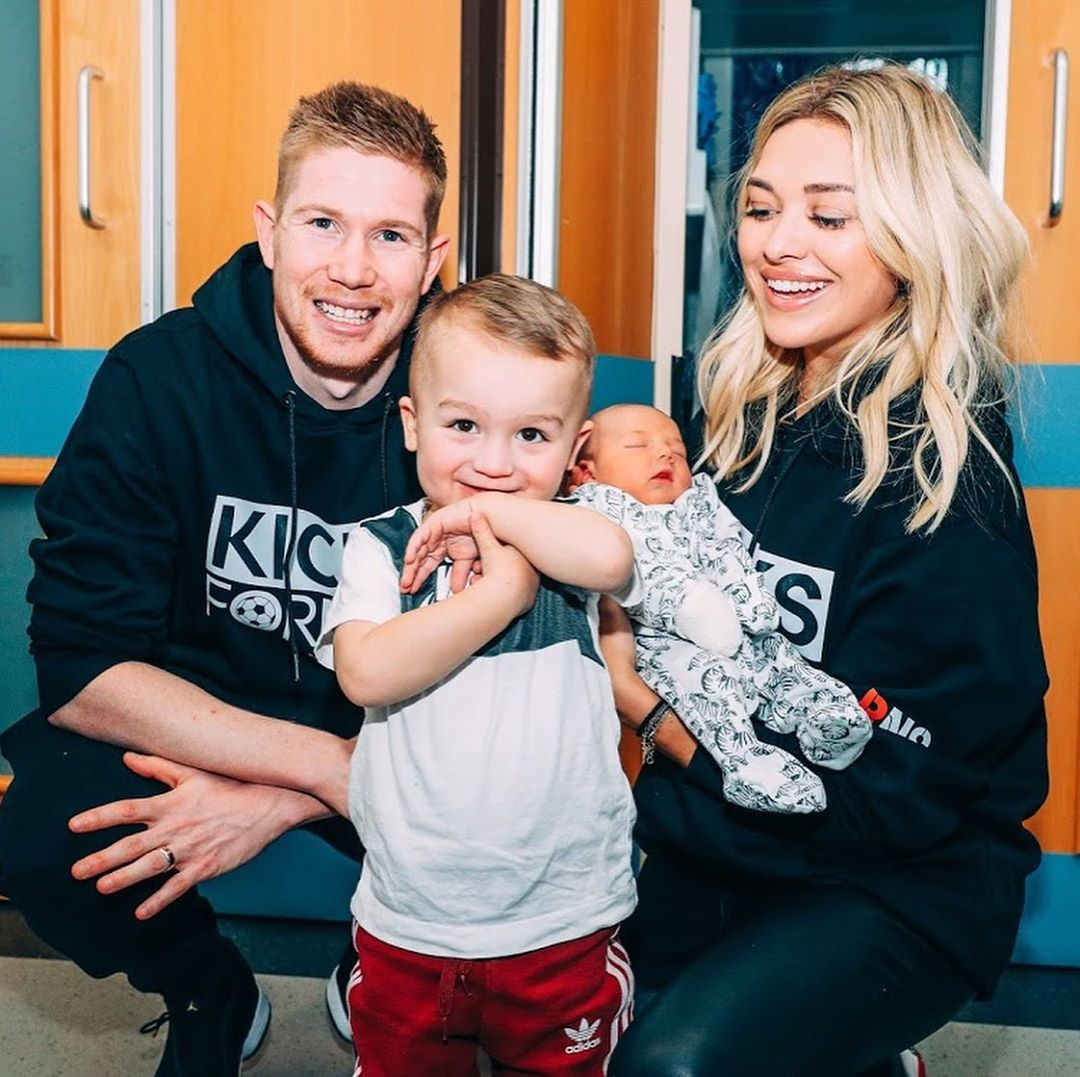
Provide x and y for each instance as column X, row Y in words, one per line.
column 706, row 629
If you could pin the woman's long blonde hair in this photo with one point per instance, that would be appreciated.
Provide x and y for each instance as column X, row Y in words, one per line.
column 956, row 250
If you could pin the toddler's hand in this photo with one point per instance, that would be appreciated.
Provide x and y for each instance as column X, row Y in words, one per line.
column 445, row 533
column 506, row 568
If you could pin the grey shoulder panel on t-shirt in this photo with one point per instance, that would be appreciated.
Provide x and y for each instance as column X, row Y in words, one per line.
column 559, row 614
column 393, row 529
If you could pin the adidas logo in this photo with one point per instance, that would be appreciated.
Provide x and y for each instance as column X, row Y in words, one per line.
column 583, row 1037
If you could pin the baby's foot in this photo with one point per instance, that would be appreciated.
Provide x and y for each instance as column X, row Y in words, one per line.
column 707, row 617
column 832, row 732
column 767, row 778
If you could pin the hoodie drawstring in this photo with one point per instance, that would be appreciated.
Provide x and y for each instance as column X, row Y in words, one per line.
column 388, row 405
column 785, row 467
column 289, row 400
column 290, row 550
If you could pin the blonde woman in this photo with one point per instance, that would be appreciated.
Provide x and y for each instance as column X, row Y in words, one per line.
column 854, row 403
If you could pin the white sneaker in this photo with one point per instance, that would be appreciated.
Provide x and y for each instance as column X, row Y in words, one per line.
column 337, row 988
column 260, row 1022
column 913, row 1064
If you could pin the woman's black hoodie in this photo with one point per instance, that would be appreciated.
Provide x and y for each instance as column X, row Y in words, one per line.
column 938, row 637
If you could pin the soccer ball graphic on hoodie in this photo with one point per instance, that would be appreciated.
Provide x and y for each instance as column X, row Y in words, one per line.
column 257, row 609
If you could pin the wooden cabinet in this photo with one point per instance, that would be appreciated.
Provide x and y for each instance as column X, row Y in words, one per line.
column 239, row 69
column 29, row 130
column 91, row 274
column 99, row 267
column 1052, row 315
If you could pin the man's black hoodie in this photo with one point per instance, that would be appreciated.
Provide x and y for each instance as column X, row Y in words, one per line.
column 196, row 514
column 937, row 635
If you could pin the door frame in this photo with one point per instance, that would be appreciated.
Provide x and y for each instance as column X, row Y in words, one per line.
column 679, row 35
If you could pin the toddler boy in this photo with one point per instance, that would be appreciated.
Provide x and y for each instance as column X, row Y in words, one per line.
column 485, row 784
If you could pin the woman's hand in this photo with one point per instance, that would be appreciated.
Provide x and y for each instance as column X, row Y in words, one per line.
column 209, row 823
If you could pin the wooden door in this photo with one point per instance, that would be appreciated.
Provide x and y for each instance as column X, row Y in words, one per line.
column 608, row 165
column 1053, row 321
column 607, row 183
column 91, row 273
column 240, row 67
column 99, row 267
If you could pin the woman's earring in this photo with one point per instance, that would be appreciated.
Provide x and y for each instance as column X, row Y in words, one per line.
column 903, row 289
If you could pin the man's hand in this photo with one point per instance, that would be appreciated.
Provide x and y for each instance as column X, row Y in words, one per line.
column 209, row 823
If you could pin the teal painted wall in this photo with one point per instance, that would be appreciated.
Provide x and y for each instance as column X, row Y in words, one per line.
column 17, row 528
column 42, row 391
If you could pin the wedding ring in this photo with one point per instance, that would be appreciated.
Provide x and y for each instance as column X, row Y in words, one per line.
column 169, row 856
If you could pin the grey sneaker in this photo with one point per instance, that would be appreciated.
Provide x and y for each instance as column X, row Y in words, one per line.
column 214, row 1030
column 337, row 994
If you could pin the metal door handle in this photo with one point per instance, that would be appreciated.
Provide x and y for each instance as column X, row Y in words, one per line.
column 86, row 74
column 1057, row 138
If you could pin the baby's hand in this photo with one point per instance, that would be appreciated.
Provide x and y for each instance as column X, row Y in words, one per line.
column 443, row 534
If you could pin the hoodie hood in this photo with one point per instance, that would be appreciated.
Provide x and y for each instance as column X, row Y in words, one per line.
column 244, row 286
column 828, row 432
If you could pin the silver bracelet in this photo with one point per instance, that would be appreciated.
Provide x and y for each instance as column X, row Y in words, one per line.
column 648, row 729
